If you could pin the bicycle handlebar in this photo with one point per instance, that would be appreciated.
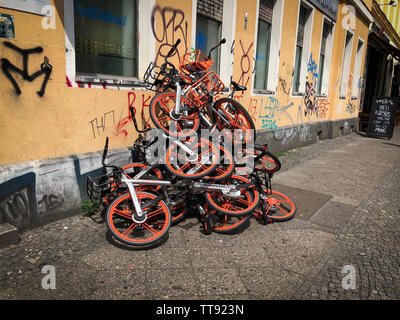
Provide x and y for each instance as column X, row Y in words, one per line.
column 135, row 122
column 222, row 41
column 174, row 47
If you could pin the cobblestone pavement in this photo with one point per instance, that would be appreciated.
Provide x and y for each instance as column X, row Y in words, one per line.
column 356, row 225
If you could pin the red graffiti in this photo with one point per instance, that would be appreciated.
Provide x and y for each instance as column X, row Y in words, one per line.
column 252, row 108
column 120, row 128
column 322, row 108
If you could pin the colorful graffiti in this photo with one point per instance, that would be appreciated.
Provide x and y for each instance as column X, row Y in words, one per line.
column 310, row 101
column 45, row 68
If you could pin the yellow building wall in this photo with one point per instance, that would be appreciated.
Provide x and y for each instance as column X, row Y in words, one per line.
column 71, row 120
column 392, row 13
column 347, row 107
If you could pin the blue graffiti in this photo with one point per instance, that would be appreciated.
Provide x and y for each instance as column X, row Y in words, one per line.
column 312, row 67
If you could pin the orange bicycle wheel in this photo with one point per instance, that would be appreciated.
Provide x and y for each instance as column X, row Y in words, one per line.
column 277, row 206
column 235, row 205
column 223, row 223
column 202, row 163
column 234, row 121
column 122, row 220
column 225, row 169
column 161, row 110
column 132, row 169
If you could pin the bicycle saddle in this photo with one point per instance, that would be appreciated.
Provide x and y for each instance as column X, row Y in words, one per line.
column 238, row 87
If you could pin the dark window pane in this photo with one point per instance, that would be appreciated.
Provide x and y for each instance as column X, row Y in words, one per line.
column 320, row 73
column 208, row 33
column 106, row 37
column 296, row 76
column 262, row 55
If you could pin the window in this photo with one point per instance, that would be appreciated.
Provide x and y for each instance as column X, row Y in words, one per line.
column 106, row 37
column 263, row 44
column 208, row 28
column 327, row 29
column 302, row 48
column 348, row 48
column 355, row 91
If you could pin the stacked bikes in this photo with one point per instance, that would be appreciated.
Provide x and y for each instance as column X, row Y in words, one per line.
column 200, row 158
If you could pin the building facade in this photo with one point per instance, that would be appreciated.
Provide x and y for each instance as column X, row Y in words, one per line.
column 71, row 69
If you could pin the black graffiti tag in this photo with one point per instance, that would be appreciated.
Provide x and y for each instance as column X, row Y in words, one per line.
column 176, row 25
column 45, row 68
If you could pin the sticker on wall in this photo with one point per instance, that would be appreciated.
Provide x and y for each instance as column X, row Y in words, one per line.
column 7, row 26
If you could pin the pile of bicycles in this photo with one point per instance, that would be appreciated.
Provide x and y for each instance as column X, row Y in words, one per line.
column 200, row 158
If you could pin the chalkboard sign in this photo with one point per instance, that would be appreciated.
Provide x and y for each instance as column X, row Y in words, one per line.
column 382, row 116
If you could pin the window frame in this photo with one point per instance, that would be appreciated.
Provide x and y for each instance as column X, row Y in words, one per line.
column 306, row 48
column 343, row 88
column 327, row 58
column 357, row 68
column 274, row 49
column 145, row 51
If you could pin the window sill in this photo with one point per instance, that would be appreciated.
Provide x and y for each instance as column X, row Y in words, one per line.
column 354, row 98
column 297, row 94
column 264, row 92
column 109, row 80
column 342, row 97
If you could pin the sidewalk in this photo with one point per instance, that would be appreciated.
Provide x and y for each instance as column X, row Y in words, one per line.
column 347, row 196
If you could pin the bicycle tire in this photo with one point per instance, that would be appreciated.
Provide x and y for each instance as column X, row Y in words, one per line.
column 142, row 227
column 224, row 223
column 249, row 199
column 158, row 105
column 239, row 109
column 224, row 170
column 288, row 210
column 173, row 156
column 269, row 162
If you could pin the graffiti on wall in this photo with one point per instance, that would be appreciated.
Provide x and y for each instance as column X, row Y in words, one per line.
column 45, row 68
column 322, row 108
column 312, row 67
column 245, row 64
column 268, row 113
column 350, row 107
column 99, row 125
column 144, row 101
column 310, row 100
column 173, row 27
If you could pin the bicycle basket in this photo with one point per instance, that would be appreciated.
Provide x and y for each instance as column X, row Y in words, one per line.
column 156, row 76
column 103, row 187
column 194, row 61
column 199, row 92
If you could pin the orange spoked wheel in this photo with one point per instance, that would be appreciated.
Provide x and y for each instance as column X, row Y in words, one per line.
column 234, row 203
column 268, row 162
column 225, row 168
column 125, row 225
column 133, row 169
column 202, row 162
column 178, row 212
column 234, row 121
column 162, row 108
column 276, row 207
column 222, row 223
